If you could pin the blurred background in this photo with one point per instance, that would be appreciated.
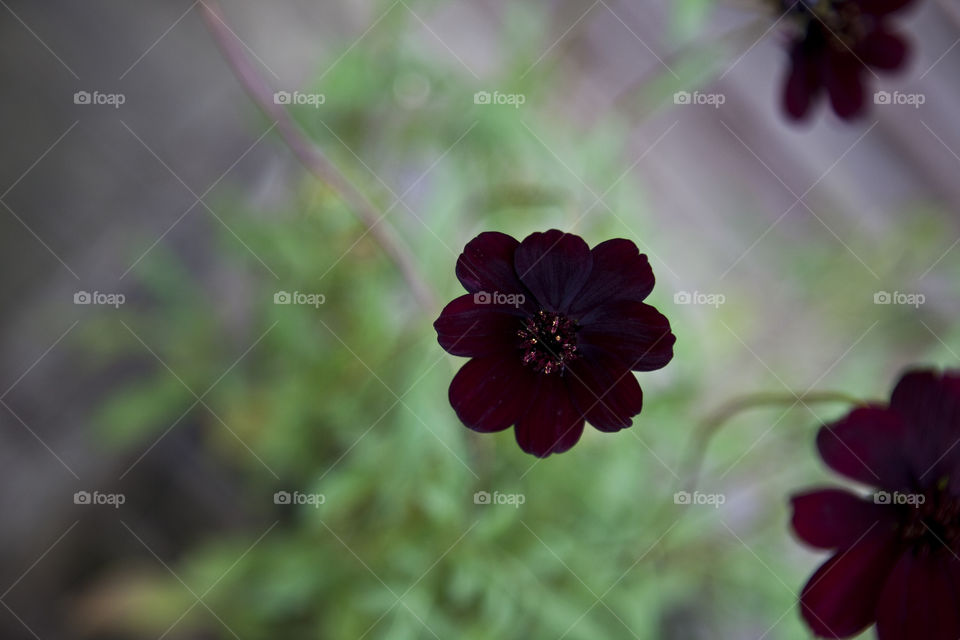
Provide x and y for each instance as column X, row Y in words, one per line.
column 185, row 456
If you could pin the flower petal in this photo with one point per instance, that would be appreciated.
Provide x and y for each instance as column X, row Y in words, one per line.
column 606, row 392
column 486, row 264
column 929, row 402
column 868, row 446
column 803, row 83
column 882, row 7
column 466, row 328
column 840, row 599
column 841, row 76
column 490, row 394
column 834, row 518
column 633, row 332
column 551, row 424
column 883, row 49
column 920, row 599
column 620, row 272
column 553, row 265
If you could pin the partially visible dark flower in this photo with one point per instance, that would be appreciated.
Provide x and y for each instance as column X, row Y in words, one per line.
column 554, row 330
column 838, row 41
column 895, row 559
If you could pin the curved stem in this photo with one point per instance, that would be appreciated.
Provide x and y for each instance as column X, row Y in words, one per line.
column 311, row 157
column 715, row 421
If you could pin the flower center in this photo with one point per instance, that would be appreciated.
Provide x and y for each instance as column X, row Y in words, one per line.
column 548, row 341
column 935, row 522
column 842, row 21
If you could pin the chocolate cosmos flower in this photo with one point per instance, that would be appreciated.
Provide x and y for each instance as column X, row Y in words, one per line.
column 838, row 41
column 553, row 329
column 895, row 558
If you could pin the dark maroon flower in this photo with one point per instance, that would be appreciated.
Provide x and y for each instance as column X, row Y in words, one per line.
column 553, row 329
column 836, row 44
column 895, row 560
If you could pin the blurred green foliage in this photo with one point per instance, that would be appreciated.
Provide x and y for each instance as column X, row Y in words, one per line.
column 350, row 399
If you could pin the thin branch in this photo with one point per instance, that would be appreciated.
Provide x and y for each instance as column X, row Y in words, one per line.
column 312, row 157
column 711, row 425
column 714, row 422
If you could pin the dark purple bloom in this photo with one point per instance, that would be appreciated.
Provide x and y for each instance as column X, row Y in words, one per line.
column 895, row 560
column 553, row 330
column 837, row 42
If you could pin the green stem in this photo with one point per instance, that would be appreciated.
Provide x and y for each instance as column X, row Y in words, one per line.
column 712, row 424
column 313, row 159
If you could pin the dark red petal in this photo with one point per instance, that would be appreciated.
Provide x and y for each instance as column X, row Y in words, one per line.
column 841, row 76
column 466, row 328
column 606, row 393
column 834, row 518
column 633, row 332
column 929, row 402
column 803, row 82
column 840, row 599
column 882, row 7
column 486, row 264
column 620, row 272
column 553, row 265
column 551, row 424
column 868, row 446
column 921, row 599
column 490, row 394
column 883, row 49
